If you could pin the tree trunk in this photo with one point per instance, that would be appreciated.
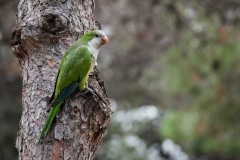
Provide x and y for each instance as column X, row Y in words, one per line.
column 44, row 30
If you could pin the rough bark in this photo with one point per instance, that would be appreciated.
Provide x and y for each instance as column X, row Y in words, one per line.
column 44, row 30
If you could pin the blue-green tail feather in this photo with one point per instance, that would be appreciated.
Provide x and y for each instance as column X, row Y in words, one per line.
column 56, row 103
column 49, row 121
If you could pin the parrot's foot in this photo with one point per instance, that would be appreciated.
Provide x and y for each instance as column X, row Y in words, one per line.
column 88, row 90
column 94, row 93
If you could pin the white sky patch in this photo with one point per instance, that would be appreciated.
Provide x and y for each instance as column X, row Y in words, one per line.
column 137, row 143
column 141, row 114
column 153, row 154
column 173, row 150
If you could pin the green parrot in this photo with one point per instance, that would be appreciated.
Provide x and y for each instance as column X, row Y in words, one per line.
column 75, row 67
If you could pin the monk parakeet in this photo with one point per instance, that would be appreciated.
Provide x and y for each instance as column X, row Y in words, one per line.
column 75, row 67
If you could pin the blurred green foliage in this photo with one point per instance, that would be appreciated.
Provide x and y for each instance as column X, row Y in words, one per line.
column 206, row 75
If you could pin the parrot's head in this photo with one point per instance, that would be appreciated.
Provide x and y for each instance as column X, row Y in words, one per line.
column 94, row 40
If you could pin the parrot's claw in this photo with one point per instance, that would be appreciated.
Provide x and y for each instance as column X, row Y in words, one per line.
column 87, row 90
column 94, row 93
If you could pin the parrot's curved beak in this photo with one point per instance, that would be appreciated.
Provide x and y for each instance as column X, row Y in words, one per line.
column 104, row 40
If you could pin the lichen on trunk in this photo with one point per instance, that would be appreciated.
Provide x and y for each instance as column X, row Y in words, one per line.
column 44, row 30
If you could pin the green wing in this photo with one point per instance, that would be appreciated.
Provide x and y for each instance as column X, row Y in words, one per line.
column 74, row 70
column 74, row 66
column 65, row 92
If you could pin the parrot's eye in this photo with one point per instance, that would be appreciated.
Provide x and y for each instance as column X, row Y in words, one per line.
column 97, row 35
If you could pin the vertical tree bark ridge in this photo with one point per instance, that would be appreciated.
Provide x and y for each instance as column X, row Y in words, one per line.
column 44, row 30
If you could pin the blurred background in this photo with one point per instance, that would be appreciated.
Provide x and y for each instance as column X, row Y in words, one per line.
column 172, row 71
